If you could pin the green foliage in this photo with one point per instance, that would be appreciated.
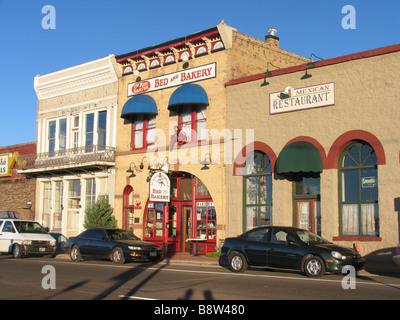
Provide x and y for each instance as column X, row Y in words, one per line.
column 99, row 215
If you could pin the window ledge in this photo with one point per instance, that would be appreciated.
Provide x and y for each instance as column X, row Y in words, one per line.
column 355, row 238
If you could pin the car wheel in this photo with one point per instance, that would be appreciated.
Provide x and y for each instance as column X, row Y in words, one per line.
column 117, row 256
column 16, row 251
column 75, row 254
column 314, row 267
column 237, row 262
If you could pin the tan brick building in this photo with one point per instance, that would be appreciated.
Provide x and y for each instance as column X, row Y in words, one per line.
column 326, row 149
column 173, row 120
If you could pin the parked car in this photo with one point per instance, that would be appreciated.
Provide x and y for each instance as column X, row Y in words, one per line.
column 396, row 257
column 114, row 244
column 287, row 248
column 22, row 237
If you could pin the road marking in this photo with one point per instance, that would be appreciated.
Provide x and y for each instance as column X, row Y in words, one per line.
column 215, row 272
column 135, row 298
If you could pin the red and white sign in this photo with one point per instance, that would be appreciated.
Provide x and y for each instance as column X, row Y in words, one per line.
column 159, row 187
column 173, row 79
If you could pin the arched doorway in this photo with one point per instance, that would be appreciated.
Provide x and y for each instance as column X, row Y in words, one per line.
column 187, row 219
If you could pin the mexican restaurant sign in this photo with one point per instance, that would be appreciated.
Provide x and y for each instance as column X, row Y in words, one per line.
column 159, row 187
column 173, row 79
column 320, row 95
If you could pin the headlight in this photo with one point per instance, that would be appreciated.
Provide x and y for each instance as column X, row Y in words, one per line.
column 27, row 242
column 338, row 255
column 135, row 248
column 53, row 243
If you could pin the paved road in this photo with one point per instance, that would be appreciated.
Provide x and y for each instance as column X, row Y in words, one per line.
column 102, row 280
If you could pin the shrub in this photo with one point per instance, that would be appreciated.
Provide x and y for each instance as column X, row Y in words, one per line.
column 99, row 215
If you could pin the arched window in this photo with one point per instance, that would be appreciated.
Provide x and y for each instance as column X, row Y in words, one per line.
column 358, row 190
column 257, row 191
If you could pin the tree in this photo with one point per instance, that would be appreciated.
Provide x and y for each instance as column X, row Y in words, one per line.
column 99, row 215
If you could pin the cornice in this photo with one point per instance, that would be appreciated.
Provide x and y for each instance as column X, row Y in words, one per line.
column 77, row 78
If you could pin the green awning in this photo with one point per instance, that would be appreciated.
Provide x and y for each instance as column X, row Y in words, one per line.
column 300, row 156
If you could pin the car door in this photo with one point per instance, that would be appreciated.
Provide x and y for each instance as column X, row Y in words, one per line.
column 284, row 250
column 256, row 246
column 7, row 236
column 96, row 245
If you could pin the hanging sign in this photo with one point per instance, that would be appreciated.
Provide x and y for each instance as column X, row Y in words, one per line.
column 295, row 99
column 173, row 79
column 7, row 161
column 160, row 187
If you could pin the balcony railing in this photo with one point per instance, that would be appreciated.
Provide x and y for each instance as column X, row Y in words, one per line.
column 73, row 158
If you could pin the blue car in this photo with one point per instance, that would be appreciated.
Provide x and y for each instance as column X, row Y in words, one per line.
column 287, row 248
column 115, row 244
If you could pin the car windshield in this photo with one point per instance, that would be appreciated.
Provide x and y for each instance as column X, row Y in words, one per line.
column 29, row 227
column 310, row 238
column 121, row 235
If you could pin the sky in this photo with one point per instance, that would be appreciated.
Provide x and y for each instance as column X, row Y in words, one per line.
column 85, row 30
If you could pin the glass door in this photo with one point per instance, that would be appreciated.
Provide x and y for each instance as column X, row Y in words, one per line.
column 186, row 211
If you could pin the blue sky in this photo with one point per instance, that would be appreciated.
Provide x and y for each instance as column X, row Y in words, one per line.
column 90, row 29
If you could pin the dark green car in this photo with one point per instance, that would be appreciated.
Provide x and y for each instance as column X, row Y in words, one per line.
column 287, row 248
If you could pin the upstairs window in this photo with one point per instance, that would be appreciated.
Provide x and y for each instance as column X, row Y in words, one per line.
column 143, row 131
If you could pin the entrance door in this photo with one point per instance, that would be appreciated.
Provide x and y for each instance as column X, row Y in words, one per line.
column 307, row 211
column 186, row 211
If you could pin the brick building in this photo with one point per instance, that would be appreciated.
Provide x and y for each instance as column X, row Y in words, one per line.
column 17, row 192
column 172, row 131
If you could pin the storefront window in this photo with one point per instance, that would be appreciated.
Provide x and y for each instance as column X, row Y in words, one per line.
column 205, row 220
column 358, row 190
column 257, row 188
column 154, row 220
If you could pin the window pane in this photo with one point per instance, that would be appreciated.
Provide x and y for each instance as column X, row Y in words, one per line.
column 266, row 189
column 62, row 134
column 52, row 129
column 350, row 219
column 369, row 185
column 138, row 139
column 350, row 185
column 102, row 129
column 251, row 213
column 252, row 190
column 369, row 218
column 89, row 122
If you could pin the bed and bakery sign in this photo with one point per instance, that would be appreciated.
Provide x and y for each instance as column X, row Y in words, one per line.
column 295, row 99
column 173, row 79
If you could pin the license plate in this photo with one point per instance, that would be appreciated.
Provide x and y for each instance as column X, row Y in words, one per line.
column 153, row 254
column 42, row 249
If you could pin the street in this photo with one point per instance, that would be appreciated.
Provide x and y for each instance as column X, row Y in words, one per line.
column 26, row 279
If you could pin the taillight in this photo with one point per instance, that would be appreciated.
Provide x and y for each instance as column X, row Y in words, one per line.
column 398, row 249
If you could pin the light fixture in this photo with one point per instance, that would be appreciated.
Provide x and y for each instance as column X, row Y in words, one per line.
column 132, row 171
column 311, row 64
column 165, row 167
column 141, row 166
column 268, row 73
column 206, row 162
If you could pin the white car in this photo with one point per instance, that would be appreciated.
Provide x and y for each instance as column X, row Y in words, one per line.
column 21, row 237
column 396, row 257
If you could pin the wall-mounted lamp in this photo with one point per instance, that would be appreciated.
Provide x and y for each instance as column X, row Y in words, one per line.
column 311, row 64
column 132, row 171
column 268, row 73
column 141, row 166
column 29, row 205
column 206, row 162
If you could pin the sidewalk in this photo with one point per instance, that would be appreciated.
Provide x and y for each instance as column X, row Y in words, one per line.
column 373, row 267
